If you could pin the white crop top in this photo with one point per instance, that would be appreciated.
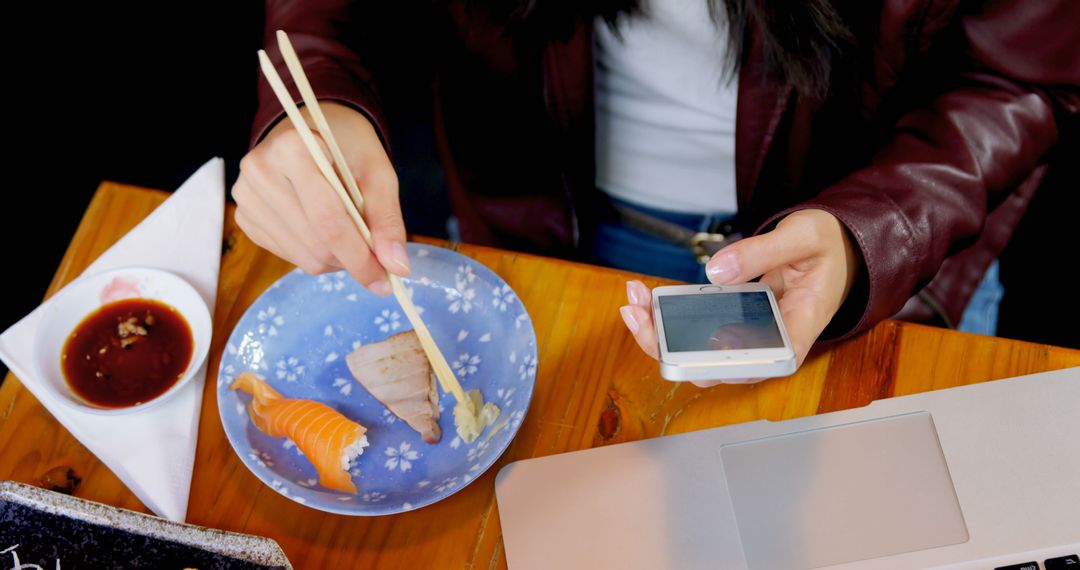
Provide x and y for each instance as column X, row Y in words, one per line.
column 665, row 109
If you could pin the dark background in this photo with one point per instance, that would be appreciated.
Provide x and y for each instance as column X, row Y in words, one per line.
column 144, row 93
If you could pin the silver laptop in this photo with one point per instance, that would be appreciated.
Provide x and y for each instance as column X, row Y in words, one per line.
column 977, row 477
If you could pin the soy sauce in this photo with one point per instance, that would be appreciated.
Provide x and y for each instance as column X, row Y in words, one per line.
column 127, row 352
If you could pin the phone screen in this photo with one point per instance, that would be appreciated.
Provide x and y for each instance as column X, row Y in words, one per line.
column 719, row 321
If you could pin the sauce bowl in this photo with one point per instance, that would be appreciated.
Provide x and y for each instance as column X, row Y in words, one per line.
column 86, row 295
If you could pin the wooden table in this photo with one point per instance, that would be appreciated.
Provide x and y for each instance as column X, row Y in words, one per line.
column 594, row 387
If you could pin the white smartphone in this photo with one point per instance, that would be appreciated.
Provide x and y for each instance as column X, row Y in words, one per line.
column 720, row 332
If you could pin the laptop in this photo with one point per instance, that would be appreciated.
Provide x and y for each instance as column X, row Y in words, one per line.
column 985, row 476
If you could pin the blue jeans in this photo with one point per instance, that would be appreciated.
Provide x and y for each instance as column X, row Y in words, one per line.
column 616, row 245
column 981, row 314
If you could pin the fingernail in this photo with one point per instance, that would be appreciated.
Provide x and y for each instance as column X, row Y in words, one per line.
column 631, row 293
column 399, row 256
column 380, row 287
column 723, row 268
column 628, row 318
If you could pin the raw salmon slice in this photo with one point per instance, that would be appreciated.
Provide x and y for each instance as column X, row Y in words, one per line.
column 328, row 439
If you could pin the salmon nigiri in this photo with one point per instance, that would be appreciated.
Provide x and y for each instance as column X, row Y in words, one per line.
column 328, row 439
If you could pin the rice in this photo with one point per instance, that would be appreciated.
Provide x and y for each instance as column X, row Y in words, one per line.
column 353, row 451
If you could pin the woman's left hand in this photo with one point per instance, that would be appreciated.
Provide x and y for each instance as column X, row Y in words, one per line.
column 808, row 260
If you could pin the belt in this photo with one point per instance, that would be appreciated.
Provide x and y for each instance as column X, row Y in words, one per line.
column 702, row 244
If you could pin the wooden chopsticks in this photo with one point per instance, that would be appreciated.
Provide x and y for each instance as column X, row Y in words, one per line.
column 349, row 194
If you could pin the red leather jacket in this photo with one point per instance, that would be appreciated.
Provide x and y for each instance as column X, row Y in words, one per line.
column 929, row 147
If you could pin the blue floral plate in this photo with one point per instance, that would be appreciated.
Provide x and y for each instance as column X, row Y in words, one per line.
column 297, row 335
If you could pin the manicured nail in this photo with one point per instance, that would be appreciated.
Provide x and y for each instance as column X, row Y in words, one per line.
column 631, row 293
column 628, row 318
column 723, row 268
column 399, row 256
column 380, row 287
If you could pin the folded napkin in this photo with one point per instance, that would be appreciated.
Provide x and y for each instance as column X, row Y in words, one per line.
column 152, row 451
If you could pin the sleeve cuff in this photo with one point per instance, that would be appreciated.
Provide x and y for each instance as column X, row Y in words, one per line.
column 884, row 237
column 327, row 87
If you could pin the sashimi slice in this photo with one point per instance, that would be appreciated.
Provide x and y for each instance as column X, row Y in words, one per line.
column 397, row 373
column 328, row 439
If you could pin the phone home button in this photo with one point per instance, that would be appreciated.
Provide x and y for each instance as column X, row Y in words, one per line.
column 711, row 288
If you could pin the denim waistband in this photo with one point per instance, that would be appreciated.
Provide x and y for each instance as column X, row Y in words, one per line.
column 694, row 222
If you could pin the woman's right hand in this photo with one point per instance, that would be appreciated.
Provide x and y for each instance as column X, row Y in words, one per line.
column 286, row 206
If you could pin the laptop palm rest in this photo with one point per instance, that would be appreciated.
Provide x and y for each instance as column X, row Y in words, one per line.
column 842, row 494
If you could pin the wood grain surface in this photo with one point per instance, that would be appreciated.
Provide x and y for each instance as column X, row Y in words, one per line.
column 593, row 387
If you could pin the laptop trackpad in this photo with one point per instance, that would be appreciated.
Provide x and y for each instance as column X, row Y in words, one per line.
column 843, row 494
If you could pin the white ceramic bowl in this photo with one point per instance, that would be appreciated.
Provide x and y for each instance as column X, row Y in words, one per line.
column 85, row 295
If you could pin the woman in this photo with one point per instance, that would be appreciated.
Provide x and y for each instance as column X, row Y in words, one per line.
column 867, row 148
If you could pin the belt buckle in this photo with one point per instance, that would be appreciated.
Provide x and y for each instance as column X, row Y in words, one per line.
column 698, row 241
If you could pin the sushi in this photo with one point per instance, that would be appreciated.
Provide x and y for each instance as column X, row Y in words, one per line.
column 327, row 439
column 397, row 373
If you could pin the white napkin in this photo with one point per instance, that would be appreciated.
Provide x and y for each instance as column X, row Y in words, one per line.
column 151, row 451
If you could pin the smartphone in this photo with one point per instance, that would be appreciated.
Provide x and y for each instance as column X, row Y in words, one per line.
column 721, row 332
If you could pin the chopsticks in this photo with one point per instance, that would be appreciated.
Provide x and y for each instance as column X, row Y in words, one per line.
column 350, row 196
